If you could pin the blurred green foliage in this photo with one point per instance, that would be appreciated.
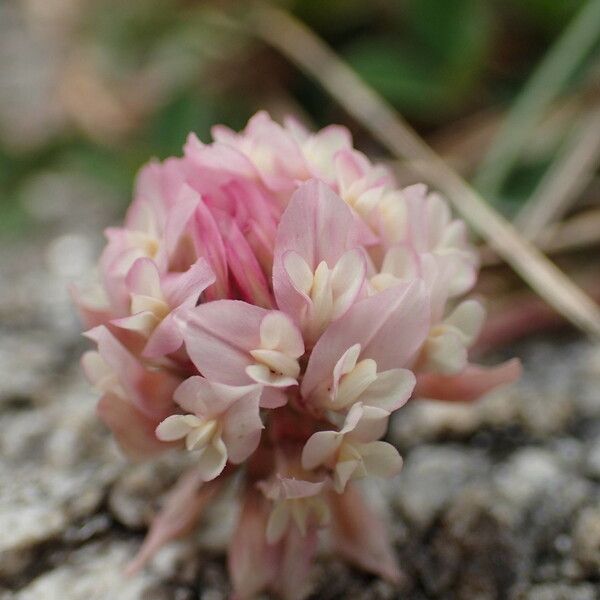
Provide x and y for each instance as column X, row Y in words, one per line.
column 430, row 60
column 173, row 71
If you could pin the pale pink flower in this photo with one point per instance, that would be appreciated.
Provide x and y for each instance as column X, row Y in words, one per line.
column 222, row 423
column 363, row 356
column 318, row 275
column 155, row 301
column 256, row 565
column 270, row 301
column 355, row 450
column 135, row 399
column 237, row 343
column 296, row 503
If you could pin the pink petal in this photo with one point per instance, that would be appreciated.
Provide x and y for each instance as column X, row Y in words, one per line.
column 351, row 166
column 360, row 536
column 187, row 287
column 133, row 430
column 237, row 408
column 209, row 244
column 242, row 426
column 243, row 263
column 208, row 399
column 321, row 148
column 344, row 365
column 471, row 384
column 273, row 397
column 297, row 129
column 144, row 278
column 320, row 448
column 149, row 208
column 318, row 226
column 181, row 511
column 150, row 391
column 293, row 575
column 115, row 261
column 92, row 312
column 178, row 219
column 218, row 336
column 289, row 488
column 165, row 339
column 282, row 162
column 390, row 327
column 214, row 165
column 157, row 186
column 253, row 563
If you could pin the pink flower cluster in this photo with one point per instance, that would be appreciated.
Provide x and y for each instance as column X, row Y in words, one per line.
column 272, row 298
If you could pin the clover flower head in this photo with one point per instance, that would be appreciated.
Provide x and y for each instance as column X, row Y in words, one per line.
column 270, row 300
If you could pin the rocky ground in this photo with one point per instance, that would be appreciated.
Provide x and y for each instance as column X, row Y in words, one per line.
column 497, row 500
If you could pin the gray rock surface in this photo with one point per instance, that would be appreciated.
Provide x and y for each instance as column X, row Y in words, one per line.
column 498, row 500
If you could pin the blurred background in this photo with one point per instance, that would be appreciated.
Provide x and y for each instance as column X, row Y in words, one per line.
column 508, row 92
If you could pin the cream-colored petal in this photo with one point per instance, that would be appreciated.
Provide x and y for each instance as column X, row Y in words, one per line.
column 353, row 384
column 212, row 459
column 277, row 362
column 380, row 459
column 468, row 318
column 278, row 522
column 299, row 272
column 176, row 427
column 201, row 435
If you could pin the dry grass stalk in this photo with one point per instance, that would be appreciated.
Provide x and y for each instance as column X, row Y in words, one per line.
column 565, row 180
column 578, row 232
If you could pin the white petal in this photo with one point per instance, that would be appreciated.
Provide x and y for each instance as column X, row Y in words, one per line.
column 176, row 427
column 371, row 426
column 320, row 448
column 299, row 271
column 344, row 471
column 278, row 362
column 344, row 365
column 213, row 459
column 380, row 459
column 347, row 279
column 299, row 511
column 400, row 262
column 321, row 295
column 353, row 384
column 390, row 390
column 467, row 317
column 278, row 522
column 99, row 372
column 262, row 374
column 201, row 435
column 141, row 322
column 446, row 352
column 156, row 306
column 278, row 332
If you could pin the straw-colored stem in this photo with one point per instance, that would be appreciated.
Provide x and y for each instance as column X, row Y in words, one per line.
column 548, row 80
column 578, row 232
column 564, row 181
